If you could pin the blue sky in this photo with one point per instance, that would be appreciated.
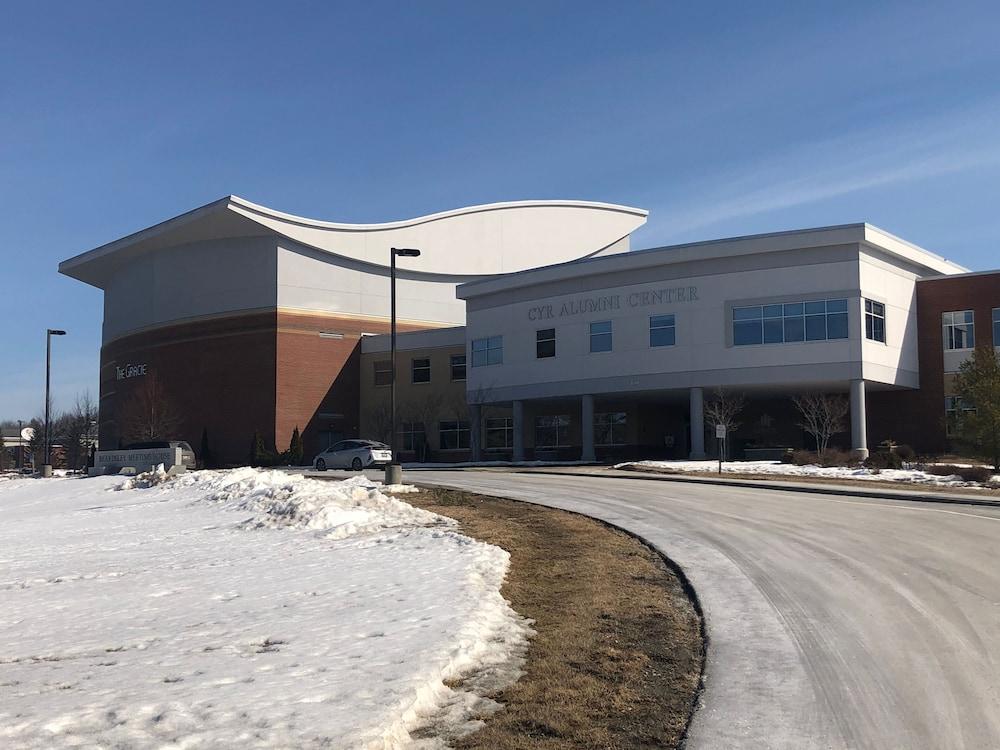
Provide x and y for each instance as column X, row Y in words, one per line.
column 720, row 119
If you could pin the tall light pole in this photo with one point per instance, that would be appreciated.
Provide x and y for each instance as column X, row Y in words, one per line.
column 49, row 333
column 394, row 472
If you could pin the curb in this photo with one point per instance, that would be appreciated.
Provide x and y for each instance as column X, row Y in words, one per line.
column 812, row 489
column 839, row 490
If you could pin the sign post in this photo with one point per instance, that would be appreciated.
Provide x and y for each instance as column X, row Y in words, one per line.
column 720, row 434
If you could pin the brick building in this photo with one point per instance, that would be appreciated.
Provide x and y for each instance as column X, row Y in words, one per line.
column 528, row 331
column 250, row 320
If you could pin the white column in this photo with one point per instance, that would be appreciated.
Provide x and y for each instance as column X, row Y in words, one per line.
column 859, row 419
column 518, row 414
column 697, row 424
column 476, row 431
column 587, row 428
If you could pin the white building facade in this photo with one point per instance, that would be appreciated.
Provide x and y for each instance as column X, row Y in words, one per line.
column 607, row 341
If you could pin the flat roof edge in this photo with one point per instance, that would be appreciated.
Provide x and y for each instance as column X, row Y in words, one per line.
column 965, row 275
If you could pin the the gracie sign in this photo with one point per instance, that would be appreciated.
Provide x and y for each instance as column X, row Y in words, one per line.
column 130, row 371
column 609, row 302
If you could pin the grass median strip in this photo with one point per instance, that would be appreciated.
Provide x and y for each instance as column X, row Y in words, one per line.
column 617, row 659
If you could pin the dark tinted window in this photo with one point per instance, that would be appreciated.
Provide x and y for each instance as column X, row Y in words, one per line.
column 545, row 343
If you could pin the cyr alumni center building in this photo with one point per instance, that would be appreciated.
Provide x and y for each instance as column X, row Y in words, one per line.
column 531, row 331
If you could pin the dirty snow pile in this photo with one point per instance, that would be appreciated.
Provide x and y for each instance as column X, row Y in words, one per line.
column 916, row 476
column 242, row 609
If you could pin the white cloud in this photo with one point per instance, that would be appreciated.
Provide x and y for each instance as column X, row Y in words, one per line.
column 889, row 154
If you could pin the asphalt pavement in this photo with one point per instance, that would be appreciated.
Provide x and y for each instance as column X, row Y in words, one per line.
column 833, row 622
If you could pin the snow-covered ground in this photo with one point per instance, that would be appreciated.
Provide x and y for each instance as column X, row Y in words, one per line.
column 915, row 476
column 241, row 609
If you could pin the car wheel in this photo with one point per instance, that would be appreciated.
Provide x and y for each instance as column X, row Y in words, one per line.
column 356, row 464
column 320, row 464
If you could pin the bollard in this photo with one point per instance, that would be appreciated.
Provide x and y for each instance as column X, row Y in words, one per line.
column 393, row 474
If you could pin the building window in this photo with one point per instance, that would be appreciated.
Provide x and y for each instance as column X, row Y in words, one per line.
column 457, row 367
column 383, row 373
column 412, row 436
column 421, row 369
column 609, row 428
column 954, row 407
column 488, row 351
column 959, row 329
column 819, row 320
column 600, row 336
column 552, row 431
column 662, row 331
column 996, row 326
column 874, row 320
column 545, row 343
column 499, row 433
column 453, row 435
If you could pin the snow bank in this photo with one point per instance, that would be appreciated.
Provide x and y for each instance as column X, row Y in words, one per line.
column 776, row 468
column 243, row 608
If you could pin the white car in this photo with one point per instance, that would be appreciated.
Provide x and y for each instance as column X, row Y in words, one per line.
column 353, row 454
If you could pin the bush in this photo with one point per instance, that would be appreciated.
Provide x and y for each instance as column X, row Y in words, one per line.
column 981, row 474
column 940, row 470
column 905, row 452
column 295, row 448
column 837, row 457
column 832, row 457
column 884, row 460
column 803, row 458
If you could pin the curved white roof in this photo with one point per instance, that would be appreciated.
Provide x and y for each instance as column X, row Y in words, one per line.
column 466, row 242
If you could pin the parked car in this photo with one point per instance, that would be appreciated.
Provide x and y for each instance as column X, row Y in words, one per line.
column 187, row 454
column 353, row 454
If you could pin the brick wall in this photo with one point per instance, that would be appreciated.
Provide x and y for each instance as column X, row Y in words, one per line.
column 216, row 373
column 237, row 374
column 917, row 417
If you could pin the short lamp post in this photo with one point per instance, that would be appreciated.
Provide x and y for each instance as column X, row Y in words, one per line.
column 394, row 472
column 49, row 333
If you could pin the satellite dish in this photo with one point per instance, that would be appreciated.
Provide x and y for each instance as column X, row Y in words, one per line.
column 28, row 434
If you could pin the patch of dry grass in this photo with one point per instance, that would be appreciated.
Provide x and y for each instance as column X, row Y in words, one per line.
column 617, row 658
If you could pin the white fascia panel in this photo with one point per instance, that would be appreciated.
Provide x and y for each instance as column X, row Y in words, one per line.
column 468, row 242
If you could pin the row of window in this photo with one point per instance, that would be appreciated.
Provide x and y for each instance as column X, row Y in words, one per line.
column 816, row 320
column 550, row 432
column 819, row 320
column 420, row 370
column 662, row 332
column 959, row 329
column 489, row 351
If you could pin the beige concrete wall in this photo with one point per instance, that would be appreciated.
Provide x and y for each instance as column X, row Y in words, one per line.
column 441, row 399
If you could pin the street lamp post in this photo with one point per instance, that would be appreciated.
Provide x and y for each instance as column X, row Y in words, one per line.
column 49, row 333
column 394, row 472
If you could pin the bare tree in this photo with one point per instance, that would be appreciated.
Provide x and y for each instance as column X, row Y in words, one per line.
column 149, row 414
column 424, row 411
column 379, row 421
column 76, row 429
column 723, row 408
column 823, row 416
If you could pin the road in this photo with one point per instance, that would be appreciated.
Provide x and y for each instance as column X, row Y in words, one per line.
column 833, row 622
